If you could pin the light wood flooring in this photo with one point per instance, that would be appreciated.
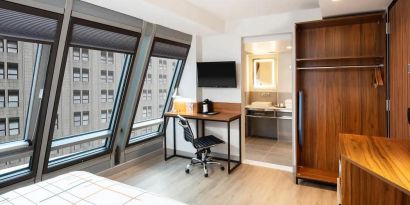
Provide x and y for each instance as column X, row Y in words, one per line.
column 247, row 185
column 269, row 150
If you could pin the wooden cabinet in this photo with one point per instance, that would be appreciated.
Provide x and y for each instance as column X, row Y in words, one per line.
column 399, row 17
column 375, row 170
column 336, row 64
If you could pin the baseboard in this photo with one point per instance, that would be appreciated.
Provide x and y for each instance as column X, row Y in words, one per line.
column 269, row 165
column 130, row 163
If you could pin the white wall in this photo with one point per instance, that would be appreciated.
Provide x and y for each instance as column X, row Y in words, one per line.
column 285, row 72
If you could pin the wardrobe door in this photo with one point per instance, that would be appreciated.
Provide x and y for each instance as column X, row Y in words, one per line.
column 399, row 65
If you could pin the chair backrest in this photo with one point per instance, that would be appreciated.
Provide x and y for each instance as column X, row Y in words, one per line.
column 188, row 134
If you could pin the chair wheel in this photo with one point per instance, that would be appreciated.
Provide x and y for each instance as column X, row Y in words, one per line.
column 222, row 168
column 205, row 175
column 187, row 171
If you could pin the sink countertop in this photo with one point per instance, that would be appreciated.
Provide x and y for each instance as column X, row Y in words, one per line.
column 270, row 108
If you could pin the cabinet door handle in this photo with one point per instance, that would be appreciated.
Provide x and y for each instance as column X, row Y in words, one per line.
column 300, row 118
column 408, row 115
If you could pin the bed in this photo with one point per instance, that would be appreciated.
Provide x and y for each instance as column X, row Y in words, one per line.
column 82, row 188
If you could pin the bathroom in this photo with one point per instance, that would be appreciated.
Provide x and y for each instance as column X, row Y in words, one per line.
column 268, row 100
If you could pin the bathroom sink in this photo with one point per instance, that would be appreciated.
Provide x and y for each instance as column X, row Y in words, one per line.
column 259, row 105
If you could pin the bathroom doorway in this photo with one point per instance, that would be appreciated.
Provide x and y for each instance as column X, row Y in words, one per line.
column 267, row 96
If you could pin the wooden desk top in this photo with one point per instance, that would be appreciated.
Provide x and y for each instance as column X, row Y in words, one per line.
column 221, row 117
column 388, row 160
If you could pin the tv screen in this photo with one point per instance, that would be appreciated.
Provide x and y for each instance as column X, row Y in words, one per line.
column 217, row 74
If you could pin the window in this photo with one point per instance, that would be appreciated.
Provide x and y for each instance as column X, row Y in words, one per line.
column 110, row 96
column 109, row 113
column 86, row 115
column 56, row 123
column 103, row 57
column 2, row 127
column 110, row 77
column 77, row 119
column 1, row 45
column 86, row 96
column 14, row 126
column 13, row 98
column 103, row 116
column 2, row 99
column 76, row 54
column 110, row 58
column 76, row 97
column 103, row 96
column 158, row 82
column 103, row 76
column 76, row 74
column 12, row 46
column 12, row 71
column 84, row 54
column 1, row 70
column 85, row 75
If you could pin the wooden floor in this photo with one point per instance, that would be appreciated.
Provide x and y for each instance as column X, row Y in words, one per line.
column 247, row 185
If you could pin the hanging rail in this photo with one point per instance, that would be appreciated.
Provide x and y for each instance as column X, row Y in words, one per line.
column 340, row 67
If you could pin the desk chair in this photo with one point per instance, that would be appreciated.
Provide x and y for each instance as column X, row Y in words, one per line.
column 202, row 145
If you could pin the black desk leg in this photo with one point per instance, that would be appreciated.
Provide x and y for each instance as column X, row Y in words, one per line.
column 240, row 141
column 229, row 147
column 197, row 126
column 175, row 141
column 165, row 138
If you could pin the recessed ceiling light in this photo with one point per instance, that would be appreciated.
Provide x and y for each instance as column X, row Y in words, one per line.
column 336, row 0
column 288, row 47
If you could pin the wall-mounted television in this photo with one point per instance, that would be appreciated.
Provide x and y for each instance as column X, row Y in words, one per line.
column 217, row 74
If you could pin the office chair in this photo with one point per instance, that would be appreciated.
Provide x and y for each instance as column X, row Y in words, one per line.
column 202, row 145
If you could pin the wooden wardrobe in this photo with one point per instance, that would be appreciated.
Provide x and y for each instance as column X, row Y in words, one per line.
column 399, row 52
column 341, row 87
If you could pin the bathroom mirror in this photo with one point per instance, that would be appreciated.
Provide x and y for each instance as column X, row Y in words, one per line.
column 264, row 74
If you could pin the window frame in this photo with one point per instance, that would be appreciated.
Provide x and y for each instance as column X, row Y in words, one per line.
column 14, row 69
column 12, row 49
column 10, row 98
column 175, row 81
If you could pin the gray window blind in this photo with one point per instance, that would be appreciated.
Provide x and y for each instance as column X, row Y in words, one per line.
column 167, row 50
column 85, row 36
column 27, row 26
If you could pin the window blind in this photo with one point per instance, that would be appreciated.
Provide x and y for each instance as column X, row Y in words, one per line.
column 85, row 36
column 27, row 26
column 168, row 50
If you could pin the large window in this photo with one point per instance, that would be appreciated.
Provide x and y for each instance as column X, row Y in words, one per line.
column 13, row 98
column 1, row 70
column 102, row 56
column 12, row 71
column 165, row 65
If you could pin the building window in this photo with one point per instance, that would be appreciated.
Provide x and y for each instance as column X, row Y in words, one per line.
column 86, row 115
column 144, row 111
column 103, row 96
column 86, row 75
column 14, row 126
column 76, row 54
column 149, row 94
column 12, row 71
column 161, row 108
column 76, row 74
column 2, row 99
column 84, row 54
column 1, row 70
column 86, row 96
column 76, row 97
column 77, row 119
column 1, row 45
column 110, row 96
column 103, row 116
column 149, row 111
column 103, row 76
column 144, row 94
column 149, row 78
column 110, row 77
column 2, row 127
column 109, row 114
column 12, row 46
column 56, row 123
column 13, row 98
column 110, row 58
column 103, row 57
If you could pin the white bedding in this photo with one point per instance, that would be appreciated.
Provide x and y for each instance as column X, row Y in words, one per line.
column 82, row 188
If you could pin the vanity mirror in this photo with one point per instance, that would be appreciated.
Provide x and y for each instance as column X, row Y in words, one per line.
column 264, row 74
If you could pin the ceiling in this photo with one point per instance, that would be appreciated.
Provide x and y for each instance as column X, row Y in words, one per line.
column 343, row 7
column 260, row 48
column 239, row 9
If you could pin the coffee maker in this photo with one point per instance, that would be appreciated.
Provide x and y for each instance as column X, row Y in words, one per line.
column 207, row 106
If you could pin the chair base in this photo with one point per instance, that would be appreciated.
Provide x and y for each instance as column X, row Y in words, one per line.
column 204, row 163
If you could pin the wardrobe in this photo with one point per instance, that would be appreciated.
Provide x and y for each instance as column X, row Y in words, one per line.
column 341, row 81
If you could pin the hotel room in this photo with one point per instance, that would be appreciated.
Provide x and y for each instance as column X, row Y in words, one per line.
column 205, row 102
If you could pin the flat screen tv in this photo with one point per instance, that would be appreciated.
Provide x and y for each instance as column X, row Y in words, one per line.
column 217, row 74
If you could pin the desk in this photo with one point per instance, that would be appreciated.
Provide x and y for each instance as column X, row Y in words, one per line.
column 224, row 117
